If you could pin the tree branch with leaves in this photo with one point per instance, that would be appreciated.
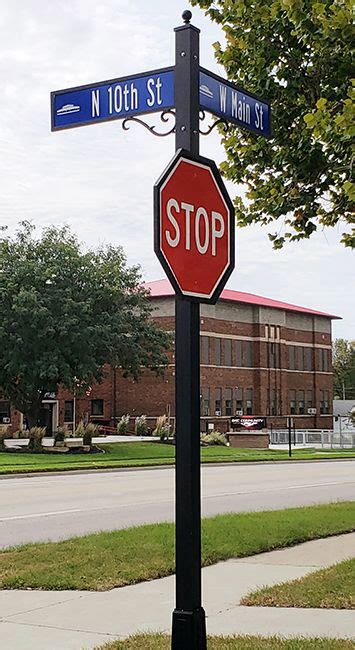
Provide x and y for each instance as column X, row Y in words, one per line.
column 298, row 54
column 65, row 313
column 344, row 368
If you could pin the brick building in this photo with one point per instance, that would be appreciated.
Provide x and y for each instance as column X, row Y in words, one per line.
column 258, row 357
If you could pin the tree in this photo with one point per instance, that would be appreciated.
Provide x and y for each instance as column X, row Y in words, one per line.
column 344, row 368
column 65, row 313
column 298, row 54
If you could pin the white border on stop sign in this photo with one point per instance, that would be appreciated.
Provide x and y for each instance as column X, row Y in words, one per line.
column 194, row 164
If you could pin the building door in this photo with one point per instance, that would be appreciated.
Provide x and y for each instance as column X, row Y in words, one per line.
column 46, row 418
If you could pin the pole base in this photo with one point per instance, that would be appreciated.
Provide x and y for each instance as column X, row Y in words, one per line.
column 189, row 630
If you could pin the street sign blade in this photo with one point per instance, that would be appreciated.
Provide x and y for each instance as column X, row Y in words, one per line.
column 234, row 104
column 115, row 99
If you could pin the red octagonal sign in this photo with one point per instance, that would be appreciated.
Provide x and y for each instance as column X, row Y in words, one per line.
column 194, row 227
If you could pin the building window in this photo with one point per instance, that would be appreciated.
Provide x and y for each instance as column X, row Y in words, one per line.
column 292, row 400
column 308, row 358
column 205, row 350
column 239, row 399
column 205, row 401
column 218, row 401
column 292, row 357
column 217, row 351
column 238, row 354
column 69, row 410
column 4, row 411
column 228, row 401
column 309, row 399
column 248, row 354
column 97, row 407
column 272, row 331
column 324, row 402
column 323, row 360
column 227, row 352
column 299, row 357
column 272, row 402
column 300, row 402
column 274, row 355
column 249, row 401
column 243, row 354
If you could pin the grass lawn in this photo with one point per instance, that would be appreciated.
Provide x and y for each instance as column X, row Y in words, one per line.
column 112, row 559
column 162, row 642
column 138, row 454
column 333, row 587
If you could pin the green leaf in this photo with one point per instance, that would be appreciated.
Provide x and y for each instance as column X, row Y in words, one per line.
column 321, row 103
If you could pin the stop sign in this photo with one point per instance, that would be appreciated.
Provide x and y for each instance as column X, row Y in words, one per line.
column 194, row 227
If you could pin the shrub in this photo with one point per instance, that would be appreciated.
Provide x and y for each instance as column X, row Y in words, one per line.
column 35, row 436
column 122, row 425
column 214, row 438
column 140, row 426
column 60, row 434
column 91, row 430
column 162, row 427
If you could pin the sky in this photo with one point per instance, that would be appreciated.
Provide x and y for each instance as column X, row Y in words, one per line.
column 98, row 179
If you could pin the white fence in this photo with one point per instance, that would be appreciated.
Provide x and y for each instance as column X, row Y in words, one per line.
column 325, row 438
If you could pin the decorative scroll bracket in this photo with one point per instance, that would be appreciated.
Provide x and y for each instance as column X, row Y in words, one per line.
column 220, row 122
column 165, row 117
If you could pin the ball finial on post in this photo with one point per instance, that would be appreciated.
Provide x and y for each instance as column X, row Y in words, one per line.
column 187, row 15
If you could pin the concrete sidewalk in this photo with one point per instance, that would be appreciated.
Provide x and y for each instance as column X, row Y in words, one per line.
column 68, row 620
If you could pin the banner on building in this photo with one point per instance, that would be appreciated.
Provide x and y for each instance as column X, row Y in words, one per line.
column 249, row 423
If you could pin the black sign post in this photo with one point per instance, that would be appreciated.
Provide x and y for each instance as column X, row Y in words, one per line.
column 191, row 90
column 189, row 625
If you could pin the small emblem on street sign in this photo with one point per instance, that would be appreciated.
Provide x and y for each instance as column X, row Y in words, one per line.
column 194, row 227
column 205, row 90
column 113, row 100
column 68, row 108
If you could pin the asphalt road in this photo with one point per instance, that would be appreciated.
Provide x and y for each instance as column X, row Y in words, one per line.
column 35, row 508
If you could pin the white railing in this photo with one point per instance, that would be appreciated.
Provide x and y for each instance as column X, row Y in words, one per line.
column 325, row 438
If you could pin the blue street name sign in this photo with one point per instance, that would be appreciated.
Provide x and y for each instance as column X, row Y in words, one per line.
column 112, row 100
column 234, row 104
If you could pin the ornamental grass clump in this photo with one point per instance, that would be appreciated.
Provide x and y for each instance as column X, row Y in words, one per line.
column 162, row 428
column 214, row 438
column 140, row 426
column 36, row 435
column 60, row 435
column 122, row 425
column 90, row 431
column 80, row 429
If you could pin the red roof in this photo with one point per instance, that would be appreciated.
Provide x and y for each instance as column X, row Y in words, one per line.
column 161, row 288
